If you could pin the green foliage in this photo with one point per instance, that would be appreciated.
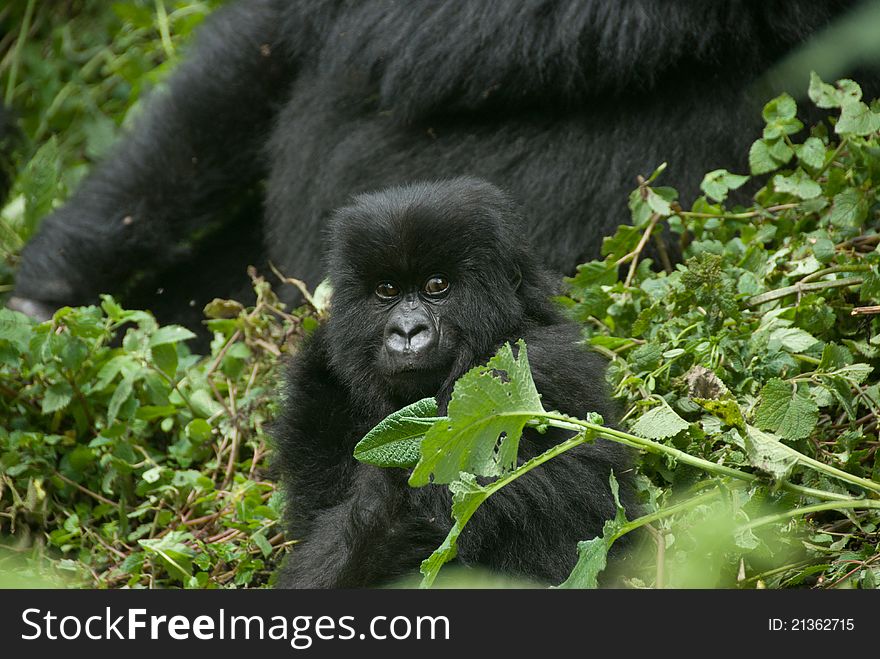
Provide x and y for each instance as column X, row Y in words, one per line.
column 141, row 461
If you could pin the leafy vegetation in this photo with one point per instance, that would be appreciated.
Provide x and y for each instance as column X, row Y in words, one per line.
column 747, row 369
column 747, row 366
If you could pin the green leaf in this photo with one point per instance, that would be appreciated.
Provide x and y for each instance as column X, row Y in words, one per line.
column 490, row 406
column 791, row 339
column 624, row 241
column 780, row 108
column 869, row 291
column 15, row 327
column 41, row 184
column 593, row 554
column 170, row 334
column 165, row 358
column 198, row 430
column 761, row 161
column 842, row 391
column 396, row 440
column 797, row 184
column 120, row 395
column 260, row 540
column 785, row 410
column 467, row 495
column 827, row 96
column 848, row 208
column 719, row 182
column 57, row 397
column 856, row 118
column 725, row 408
column 659, row 422
column 204, row 404
column 811, row 153
column 594, row 273
column 175, row 556
column 767, row 453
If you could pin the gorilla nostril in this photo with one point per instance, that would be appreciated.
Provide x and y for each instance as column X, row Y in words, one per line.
column 420, row 339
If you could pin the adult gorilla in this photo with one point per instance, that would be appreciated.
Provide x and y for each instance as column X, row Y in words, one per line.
column 562, row 102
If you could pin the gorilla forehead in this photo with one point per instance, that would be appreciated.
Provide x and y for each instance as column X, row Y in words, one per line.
column 460, row 224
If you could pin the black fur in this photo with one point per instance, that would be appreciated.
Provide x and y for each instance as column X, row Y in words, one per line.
column 562, row 102
column 359, row 525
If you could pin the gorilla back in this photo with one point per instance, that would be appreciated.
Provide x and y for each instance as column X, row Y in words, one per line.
column 428, row 281
column 562, row 101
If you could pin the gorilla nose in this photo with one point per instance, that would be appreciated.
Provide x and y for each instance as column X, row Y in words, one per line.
column 409, row 335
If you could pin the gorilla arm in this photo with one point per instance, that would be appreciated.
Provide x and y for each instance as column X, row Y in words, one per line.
column 197, row 144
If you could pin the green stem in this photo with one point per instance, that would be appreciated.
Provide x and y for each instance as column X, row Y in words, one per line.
column 16, row 56
column 568, row 423
column 738, row 216
column 815, row 508
column 801, row 288
column 836, row 268
column 164, row 29
column 664, row 512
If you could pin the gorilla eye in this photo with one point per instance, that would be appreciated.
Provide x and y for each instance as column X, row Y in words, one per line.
column 387, row 291
column 436, row 285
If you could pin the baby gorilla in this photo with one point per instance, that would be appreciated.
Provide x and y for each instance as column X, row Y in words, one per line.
column 430, row 280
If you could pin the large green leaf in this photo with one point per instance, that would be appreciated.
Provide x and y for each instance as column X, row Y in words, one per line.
column 489, row 408
column 396, row 440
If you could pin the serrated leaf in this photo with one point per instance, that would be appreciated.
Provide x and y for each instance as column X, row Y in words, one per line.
column 15, row 327
column 786, row 410
column 490, row 405
column 594, row 273
column 767, row 453
column 848, row 208
column 856, row 373
column 396, row 440
column 833, row 357
column 659, row 422
column 829, row 96
column 57, row 397
column 170, row 334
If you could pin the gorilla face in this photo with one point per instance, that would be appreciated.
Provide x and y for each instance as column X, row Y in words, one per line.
column 424, row 282
column 417, row 348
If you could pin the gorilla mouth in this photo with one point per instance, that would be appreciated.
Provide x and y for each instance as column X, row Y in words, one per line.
column 411, row 377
